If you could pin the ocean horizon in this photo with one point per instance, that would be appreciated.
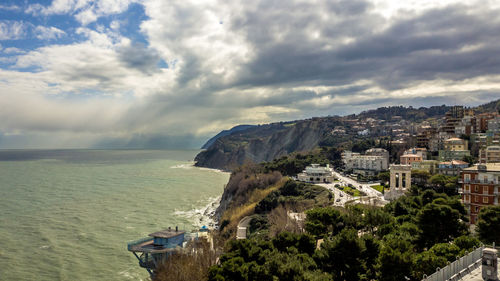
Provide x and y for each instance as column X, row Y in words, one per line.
column 67, row 214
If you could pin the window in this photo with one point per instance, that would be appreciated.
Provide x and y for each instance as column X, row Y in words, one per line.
column 476, row 188
column 477, row 209
column 476, row 198
column 485, row 199
column 485, row 189
column 466, row 177
column 467, row 187
column 467, row 198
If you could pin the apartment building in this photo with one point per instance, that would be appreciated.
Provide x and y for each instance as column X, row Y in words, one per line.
column 371, row 163
column 490, row 154
column 480, row 187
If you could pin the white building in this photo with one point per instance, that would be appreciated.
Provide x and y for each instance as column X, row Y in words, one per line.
column 375, row 161
column 316, row 174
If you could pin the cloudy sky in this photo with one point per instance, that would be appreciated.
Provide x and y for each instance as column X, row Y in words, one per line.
column 171, row 73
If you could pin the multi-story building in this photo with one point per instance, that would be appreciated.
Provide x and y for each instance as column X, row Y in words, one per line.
column 482, row 121
column 494, row 125
column 378, row 152
column 454, row 149
column 455, row 144
column 452, row 119
column 420, row 151
column 408, row 159
column 480, row 187
column 366, row 164
column 452, row 168
column 490, row 154
column 426, row 133
column 316, row 174
column 426, row 165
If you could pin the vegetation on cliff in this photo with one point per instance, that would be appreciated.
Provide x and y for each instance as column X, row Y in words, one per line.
column 406, row 239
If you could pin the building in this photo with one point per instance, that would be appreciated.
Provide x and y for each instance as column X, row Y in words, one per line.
column 430, row 166
column 490, row 154
column 480, row 187
column 421, row 151
column 316, row 174
column 400, row 181
column 408, row 159
column 454, row 149
column 378, row 152
column 452, row 119
column 425, row 134
column 455, row 144
column 154, row 250
column 482, row 121
column 452, row 168
column 369, row 165
column 494, row 125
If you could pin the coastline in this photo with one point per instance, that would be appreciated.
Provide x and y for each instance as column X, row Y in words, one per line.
column 202, row 216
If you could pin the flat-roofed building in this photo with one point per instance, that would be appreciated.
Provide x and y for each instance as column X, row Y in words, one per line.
column 316, row 174
column 366, row 164
column 408, row 159
column 480, row 187
column 430, row 166
column 490, row 154
column 452, row 168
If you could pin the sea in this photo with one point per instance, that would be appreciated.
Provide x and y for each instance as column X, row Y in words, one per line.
column 68, row 214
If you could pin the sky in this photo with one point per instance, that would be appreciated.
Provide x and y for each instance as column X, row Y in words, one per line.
column 171, row 74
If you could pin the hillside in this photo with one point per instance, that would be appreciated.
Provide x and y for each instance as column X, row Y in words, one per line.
column 226, row 133
column 267, row 142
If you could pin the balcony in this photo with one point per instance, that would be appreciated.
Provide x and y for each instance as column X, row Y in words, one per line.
column 462, row 191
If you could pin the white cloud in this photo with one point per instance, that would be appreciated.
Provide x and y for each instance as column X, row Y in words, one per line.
column 84, row 11
column 48, row 33
column 12, row 50
column 12, row 30
column 10, row 7
column 232, row 62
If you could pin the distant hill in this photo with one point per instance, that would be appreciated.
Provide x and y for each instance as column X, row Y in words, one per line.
column 226, row 133
column 489, row 107
column 232, row 148
column 406, row 113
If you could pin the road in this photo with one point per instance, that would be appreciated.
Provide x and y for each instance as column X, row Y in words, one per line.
column 340, row 197
column 366, row 188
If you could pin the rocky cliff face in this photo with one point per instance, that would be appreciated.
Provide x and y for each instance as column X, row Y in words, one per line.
column 263, row 143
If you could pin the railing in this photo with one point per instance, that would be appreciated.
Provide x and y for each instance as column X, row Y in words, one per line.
column 457, row 269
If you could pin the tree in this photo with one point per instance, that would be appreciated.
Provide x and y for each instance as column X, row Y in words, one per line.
column 489, row 224
column 342, row 256
column 395, row 261
column 320, row 221
column 439, row 223
column 420, row 177
column 384, row 176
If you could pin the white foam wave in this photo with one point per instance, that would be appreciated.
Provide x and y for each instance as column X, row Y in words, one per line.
column 202, row 216
column 183, row 166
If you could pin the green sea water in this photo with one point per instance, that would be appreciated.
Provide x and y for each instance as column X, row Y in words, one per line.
column 68, row 214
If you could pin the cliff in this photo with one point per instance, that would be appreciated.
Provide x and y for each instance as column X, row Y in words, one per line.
column 232, row 148
column 226, row 133
column 264, row 143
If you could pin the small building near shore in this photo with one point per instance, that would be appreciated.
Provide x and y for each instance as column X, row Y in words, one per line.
column 316, row 174
column 154, row 250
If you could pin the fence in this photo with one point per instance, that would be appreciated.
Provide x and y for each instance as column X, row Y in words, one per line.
column 459, row 268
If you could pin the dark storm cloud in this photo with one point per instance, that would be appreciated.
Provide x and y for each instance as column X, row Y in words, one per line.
column 137, row 56
column 423, row 47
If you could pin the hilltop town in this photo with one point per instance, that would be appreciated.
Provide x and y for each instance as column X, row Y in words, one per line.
column 388, row 194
